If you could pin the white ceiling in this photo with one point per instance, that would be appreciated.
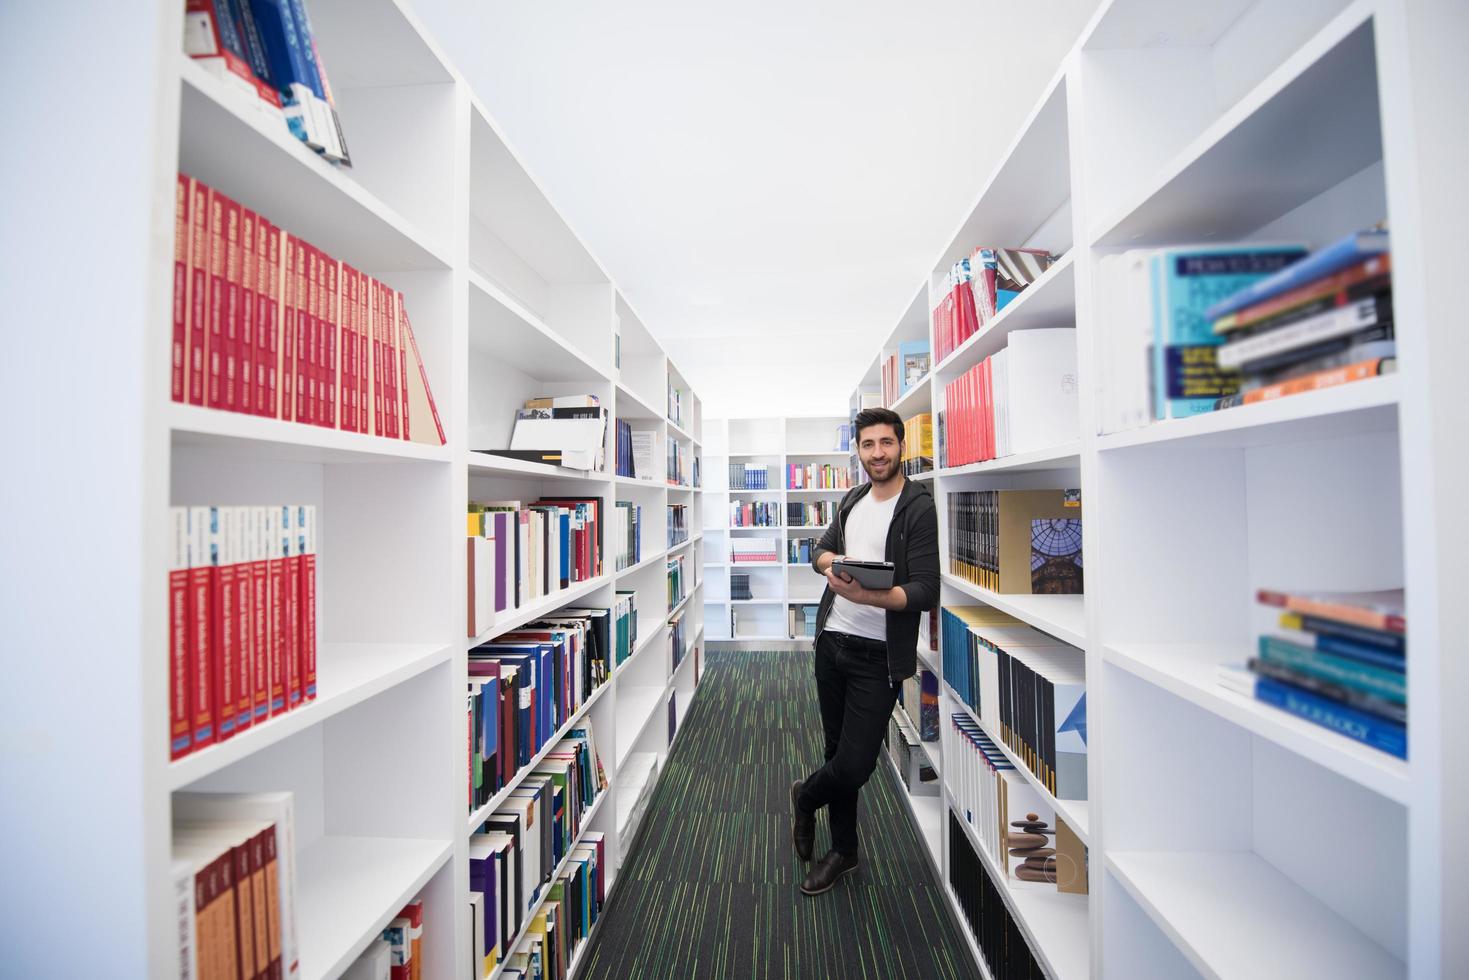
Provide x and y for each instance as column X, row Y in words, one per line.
column 768, row 182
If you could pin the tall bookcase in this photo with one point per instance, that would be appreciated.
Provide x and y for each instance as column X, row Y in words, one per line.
column 506, row 303
column 1226, row 838
column 775, row 587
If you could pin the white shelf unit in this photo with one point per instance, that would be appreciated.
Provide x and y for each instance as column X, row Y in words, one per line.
column 506, row 303
column 776, row 443
column 1176, row 123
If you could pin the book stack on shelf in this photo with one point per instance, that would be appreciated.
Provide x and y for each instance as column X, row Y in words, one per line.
column 678, row 524
column 1338, row 660
column 749, row 476
column 627, row 533
column 913, row 766
column 1017, row 542
column 801, row 621
column 755, row 513
column 521, row 553
column 559, row 430
column 799, row 550
column 903, row 368
column 815, row 513
column 745, row 550
column 266, row 324
column 1021, row 399
column 397, row 954
column 565, row 919
column 817, row 476
column 918, row 444
column 242, row 609
column 234, row 876
column 739, row 586
column 978, row 288
column 519, row 851
column 526, row 684
column 265, row 51
column 676, row 581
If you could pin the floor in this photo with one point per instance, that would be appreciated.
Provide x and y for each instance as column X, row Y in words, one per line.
column 712, row 887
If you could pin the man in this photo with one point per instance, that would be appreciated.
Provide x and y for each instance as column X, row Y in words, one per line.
column 866, row 639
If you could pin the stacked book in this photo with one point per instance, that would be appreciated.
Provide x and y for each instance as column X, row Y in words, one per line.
column 1017, row 542
column 744, row 550
column 522, row 553
column 757, row 513
column 241, row 620
column 918, row 444
column 817, row 476
column 1323, row 321
column 396, row 954
column 526, row 684
column 1338, row 660
column 1020, row 399
column 265, row 50
column 799, row 550
column 1026, row 687
column 818, row 513
column 739, row 586
column 749, row 476
column 266, row 324
column 910, row 761
column 678, row 524
column 902, row 368
column 978, row 288
column 627, row 533
column 515, row 854
column 234, row 884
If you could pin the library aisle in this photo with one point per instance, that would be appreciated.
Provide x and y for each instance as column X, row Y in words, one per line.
column 712, row 888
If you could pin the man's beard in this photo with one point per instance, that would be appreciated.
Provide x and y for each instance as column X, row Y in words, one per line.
column 889, row 471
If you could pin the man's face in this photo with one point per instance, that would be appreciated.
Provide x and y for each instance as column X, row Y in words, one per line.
column 880, row 452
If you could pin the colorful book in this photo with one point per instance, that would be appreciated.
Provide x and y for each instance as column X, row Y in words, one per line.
column 1378, row 733
column 1348, row 250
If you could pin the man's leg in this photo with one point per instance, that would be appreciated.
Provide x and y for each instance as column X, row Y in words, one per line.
column 831, row 689
column 869, row 702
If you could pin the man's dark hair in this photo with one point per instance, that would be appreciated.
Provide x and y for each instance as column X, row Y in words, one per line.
column 876, row 416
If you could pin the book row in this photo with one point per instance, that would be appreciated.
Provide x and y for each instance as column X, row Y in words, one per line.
column 677, row 641
column 515, row 854
column 635, row 451
column 739, row 586
column 266, row 324
column 627, row 534
column 676, row 399
column 1006, row 811
column 799, row 550
column 749, row 476
column 678, row 524
column 526, row 684
column 679, row 584
column 978, row 288
column 756, row 513
column 817, row 476
column 519, row 553
column 1338, row 660
column 918, row 444
column 745, row 550
column 999, row 937
column 397, row 954
column 265, row 51
column 1026, row 687
column 682, row 465
column 915, row 770
column 1017, row 542
column 1195, row 329
column 801, row 621
column 565, row 919
column 902, row 368
column 241, row 619
column 920, row 699
column 234, row 886
column 816, row 513
column 1020, row 399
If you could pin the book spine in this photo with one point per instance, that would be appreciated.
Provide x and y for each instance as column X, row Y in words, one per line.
column 181, row 229
column 1318, row 265
column 305, row 335
column 244, row 617
column 377, row 358
column 308, row 603
column 316, row 339
column 259, row 545
column 180, row 720
column 291, row 652
column 249, row 291
column 279, row 623
column 201, row 694
column 400, row 333
column 1367, row 679
column 423, row 375
column 1339, row 282
column 331, row 292
column 286, row 371
column 1378, row 733
column 265, row 315
column 347, row 397
column 222, row 625
column 1318, row 380
column 234, row 304
column 390, row 367
column 364, row 354
column 1337, row 322
column 198, row 312
column 218, row 300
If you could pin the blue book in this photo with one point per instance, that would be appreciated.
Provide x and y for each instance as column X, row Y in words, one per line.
column 1319, row 264
column 1184, row 282
column 1380, row 734
column 276, row 26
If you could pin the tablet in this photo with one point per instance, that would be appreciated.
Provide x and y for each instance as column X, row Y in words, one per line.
column 872, row 574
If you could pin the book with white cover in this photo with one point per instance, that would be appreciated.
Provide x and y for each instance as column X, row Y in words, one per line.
column 1040, row 378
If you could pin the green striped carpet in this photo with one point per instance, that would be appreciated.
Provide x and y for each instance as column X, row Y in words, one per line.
column 712, row 889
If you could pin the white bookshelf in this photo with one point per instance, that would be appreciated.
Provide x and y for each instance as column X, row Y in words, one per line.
column 506, row 303
column 774, row 442
column 1175, row 123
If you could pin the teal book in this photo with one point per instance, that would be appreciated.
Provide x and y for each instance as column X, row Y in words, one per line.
column 1185, row 283
column 1369, row 679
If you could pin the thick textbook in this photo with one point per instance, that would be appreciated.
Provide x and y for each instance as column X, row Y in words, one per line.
column 1386, row 736
column 1352, row 249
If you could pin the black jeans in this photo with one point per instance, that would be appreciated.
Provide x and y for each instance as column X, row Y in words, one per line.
column 857, row 699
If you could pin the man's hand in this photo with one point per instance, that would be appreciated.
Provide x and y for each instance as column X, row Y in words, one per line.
column 848, row 587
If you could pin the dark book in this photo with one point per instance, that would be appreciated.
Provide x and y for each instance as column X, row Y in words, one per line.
column 1321, row 687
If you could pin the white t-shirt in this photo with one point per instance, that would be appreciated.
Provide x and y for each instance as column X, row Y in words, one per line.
column 866, row 540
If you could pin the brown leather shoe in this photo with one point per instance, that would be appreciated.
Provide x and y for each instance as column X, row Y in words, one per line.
column 827, row 872
column 803, row 824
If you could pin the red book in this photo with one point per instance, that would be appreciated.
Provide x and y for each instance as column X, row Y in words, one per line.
column 291, row 654
column 377, row 358
column 390, row 363
column 249, row 290
column 198, row 327
column 223, row 643
column 306, row 538
column 180, row 718
column 286, row 378
column 181, row 229
column 331, row 286
column 264, row 304
column 259, row 551
column 234, row 306
column 400, row 338
column 364, row 352
column 315, row 369
column 200, row 638
column 348, row 389
column 416, row 364
column 305, row 327
column 1383, row 611
column 218, row 301
column 239, row 557
column 279, row 621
